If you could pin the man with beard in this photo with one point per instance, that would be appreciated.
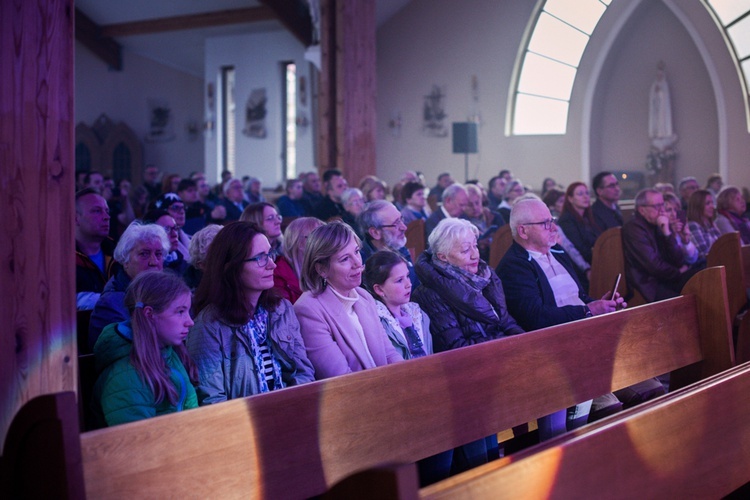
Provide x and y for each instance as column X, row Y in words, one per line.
column 384, row 229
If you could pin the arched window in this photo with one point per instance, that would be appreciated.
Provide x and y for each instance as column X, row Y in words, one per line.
column 558, row 34
column 733, row 16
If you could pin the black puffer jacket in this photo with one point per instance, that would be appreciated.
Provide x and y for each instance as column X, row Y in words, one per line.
column 459, row 314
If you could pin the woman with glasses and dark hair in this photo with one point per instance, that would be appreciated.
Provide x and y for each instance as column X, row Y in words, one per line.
column 246, row 339
column 265, row 216
column 339, row 320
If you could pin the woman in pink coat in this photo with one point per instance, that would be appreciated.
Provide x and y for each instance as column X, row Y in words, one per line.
column 339, row 320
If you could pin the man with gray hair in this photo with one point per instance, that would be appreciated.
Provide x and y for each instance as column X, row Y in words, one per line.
column 541, row 290
column 455, row 200
column 654, row 262
column 384, row 229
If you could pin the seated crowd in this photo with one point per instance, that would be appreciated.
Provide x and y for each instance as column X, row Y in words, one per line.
column 189, row 295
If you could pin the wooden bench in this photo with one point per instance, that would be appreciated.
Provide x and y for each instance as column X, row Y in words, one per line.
column 692, row 443
column 501, row 242
column 300, row 441
column 415, row 240
column 727, row 251
column 607, row 262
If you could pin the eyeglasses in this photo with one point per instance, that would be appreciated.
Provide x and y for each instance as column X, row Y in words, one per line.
column 614, row 184
column 399, row 222
column 547, row 224
column 170, row 229
column 272, row 218
column 177, row 208
column 262, row 258
column 657, row 206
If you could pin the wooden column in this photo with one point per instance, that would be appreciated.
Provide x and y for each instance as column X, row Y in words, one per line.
column 348, row 88
column 37, row 274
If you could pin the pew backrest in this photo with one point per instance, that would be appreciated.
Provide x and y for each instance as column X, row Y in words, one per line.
column 502, row 239
column 727, row 252
column 688, row 444
column 300, row 441
column 607, row 261
column 415, row 241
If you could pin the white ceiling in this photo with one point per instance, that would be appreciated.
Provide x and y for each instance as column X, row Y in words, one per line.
column 184, row 50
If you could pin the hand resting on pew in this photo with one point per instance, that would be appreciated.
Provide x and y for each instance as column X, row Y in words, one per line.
column 607, row 305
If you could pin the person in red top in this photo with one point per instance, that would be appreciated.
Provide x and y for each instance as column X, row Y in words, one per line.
column 287, row 273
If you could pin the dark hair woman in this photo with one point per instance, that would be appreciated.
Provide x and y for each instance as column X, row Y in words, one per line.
column 246, row 339
column 577, row 220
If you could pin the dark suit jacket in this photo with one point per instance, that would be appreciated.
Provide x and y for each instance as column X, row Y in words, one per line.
column 651, row 259
column 233, row 212
column 529, row 297
column 432, row 221
column 605, row 217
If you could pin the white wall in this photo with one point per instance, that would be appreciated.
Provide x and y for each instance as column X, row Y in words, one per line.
column 445, row 42
column 123, row 96
column 257, row 61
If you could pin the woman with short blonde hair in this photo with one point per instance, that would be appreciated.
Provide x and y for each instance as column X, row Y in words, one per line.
column 338, row 319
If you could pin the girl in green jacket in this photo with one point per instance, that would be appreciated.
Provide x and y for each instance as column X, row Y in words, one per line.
column 143, row 363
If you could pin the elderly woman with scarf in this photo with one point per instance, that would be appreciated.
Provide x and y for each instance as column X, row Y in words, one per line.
column 464, row 299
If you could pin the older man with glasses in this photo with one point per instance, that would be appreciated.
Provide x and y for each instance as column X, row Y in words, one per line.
column 541, row 290
column 654, row 262
column 384, row 229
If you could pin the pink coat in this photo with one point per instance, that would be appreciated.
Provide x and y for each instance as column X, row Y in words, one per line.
column 333, row 345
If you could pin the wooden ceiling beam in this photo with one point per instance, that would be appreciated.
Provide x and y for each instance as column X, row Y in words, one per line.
column 191, row 21
column 295, row 16
column 104, row 47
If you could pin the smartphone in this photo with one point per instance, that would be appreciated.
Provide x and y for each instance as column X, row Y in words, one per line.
column 614, row 288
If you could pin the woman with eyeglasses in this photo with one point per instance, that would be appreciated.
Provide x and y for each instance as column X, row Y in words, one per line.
column 142, row 247
column 339, row 319
column 174, row 259
column 354, row 204
column 246, row 339
column 265, row 216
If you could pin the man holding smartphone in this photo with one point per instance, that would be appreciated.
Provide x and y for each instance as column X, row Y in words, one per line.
column 541, row 290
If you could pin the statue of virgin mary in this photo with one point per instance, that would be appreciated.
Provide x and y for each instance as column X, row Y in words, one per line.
column 660, row 112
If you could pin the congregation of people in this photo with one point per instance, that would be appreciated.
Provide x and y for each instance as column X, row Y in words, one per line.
column 190, row 294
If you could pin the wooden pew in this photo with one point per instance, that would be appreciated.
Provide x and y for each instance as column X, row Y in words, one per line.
column 607, row 262
column 415, row 238
column 727, row 252
column 501, row 242
column 300, row 441
column 691, row 443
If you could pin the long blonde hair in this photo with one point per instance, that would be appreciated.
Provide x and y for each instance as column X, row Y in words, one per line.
column 293, row 240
